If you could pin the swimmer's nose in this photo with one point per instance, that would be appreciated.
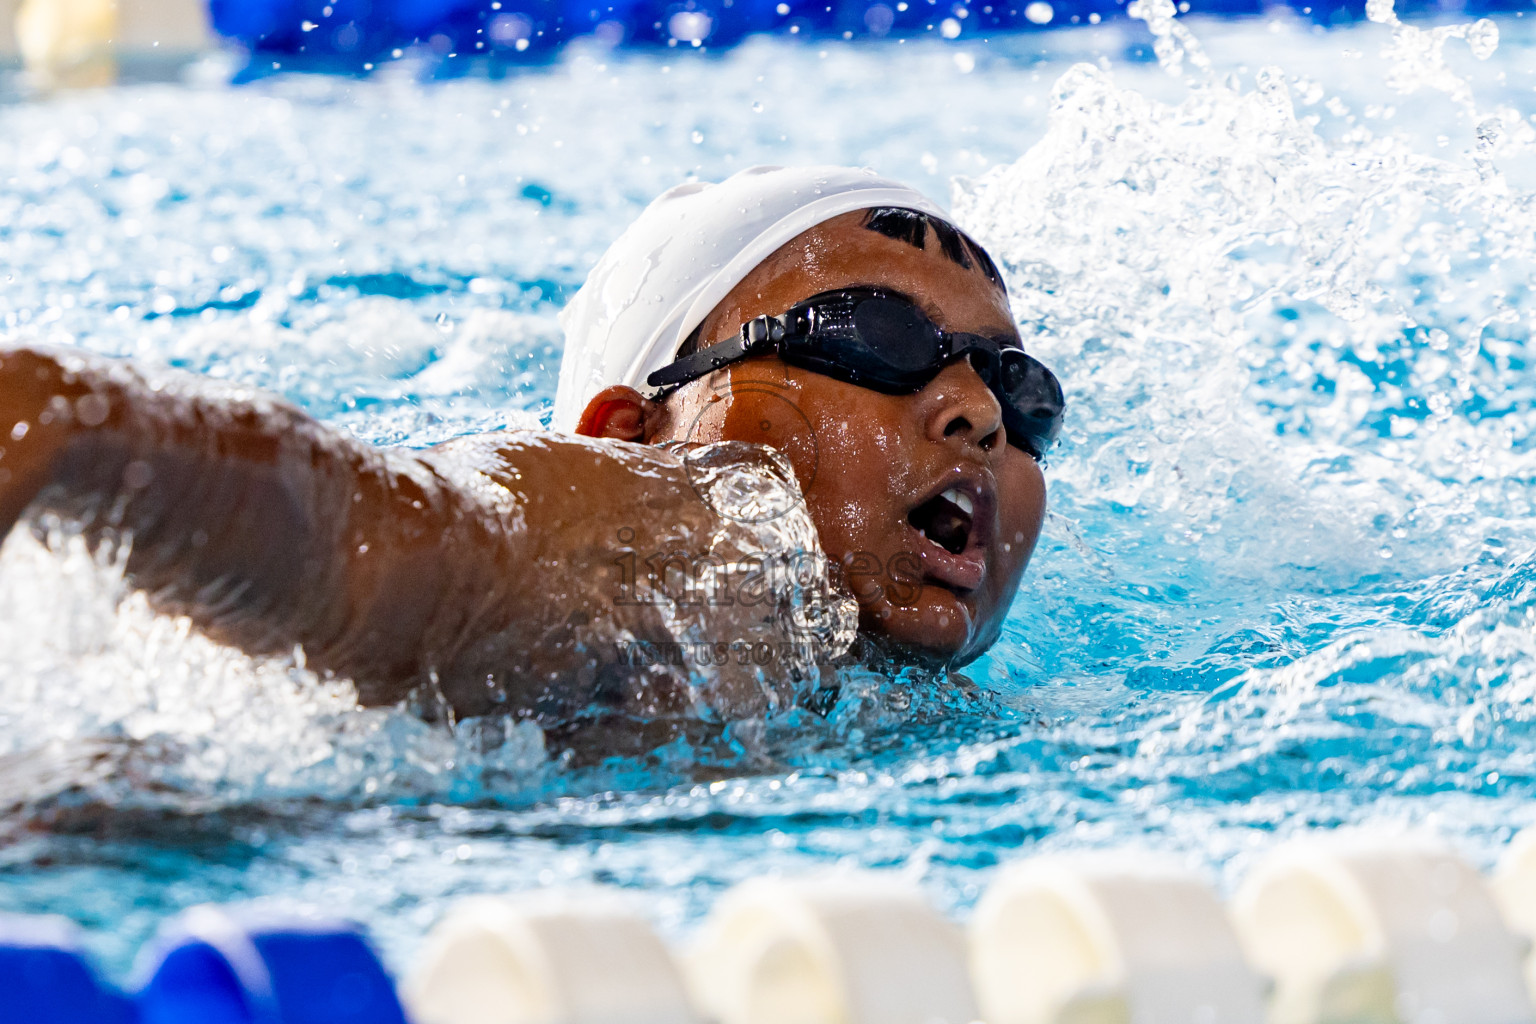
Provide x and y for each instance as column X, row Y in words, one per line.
column 962, row 408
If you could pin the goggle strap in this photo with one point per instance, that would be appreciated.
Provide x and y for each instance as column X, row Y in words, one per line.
column 756, row 335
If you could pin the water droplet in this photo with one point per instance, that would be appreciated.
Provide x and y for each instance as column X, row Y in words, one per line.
column 690, row 26
column 1488, row 132
column 1483, row 38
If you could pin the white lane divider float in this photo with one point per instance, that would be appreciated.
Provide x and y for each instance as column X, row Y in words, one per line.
column 845, row 949
column 68, row 42
column 1514, row 887
column 1376, row 931
column 1339, row 930
column 76, row 43
column 588, row 961
column 1084, row 940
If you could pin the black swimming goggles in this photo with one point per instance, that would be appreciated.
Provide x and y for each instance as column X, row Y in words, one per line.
column 880, row 340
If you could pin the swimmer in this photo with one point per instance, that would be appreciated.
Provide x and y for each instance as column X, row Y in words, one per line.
column 833, row 316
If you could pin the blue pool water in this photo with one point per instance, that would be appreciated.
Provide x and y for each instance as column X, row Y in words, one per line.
column 1289, row 575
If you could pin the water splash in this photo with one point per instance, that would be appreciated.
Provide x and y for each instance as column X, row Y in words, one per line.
column 1295, row 472
column 109, row 707
column 1243, row 304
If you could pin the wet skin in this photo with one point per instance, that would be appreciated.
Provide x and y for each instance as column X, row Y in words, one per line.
column 478, row 576
column 867, row 460
column 470, row 578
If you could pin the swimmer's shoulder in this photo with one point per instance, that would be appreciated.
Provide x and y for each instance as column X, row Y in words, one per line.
column 527, row 469
column 534, row 467
column 525, row 444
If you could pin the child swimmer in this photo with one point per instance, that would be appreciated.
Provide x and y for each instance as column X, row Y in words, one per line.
column 829, row 314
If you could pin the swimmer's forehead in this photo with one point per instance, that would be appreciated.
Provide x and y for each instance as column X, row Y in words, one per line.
column 845, row 253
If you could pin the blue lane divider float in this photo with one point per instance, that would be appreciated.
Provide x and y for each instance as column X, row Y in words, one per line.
column 214, row 965
column 46, row 979
column 351, row 34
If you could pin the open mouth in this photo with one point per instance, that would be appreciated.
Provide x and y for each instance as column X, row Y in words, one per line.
column 945, row 519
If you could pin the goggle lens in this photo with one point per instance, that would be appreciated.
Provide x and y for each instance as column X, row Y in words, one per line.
column 905, row 340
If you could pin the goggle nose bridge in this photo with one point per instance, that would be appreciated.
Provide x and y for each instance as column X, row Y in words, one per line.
column 985, row 364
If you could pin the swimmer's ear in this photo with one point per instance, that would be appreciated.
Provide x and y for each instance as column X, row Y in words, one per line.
column 620, row 413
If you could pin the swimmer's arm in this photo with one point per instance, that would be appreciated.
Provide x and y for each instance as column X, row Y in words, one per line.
column 267, row 529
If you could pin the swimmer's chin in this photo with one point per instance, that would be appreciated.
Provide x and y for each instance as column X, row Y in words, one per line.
column 938, row 633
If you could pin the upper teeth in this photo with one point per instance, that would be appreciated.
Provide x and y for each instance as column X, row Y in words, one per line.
column 960, row 498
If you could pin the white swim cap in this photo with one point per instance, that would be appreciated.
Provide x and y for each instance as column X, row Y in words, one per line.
column 685, row 253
